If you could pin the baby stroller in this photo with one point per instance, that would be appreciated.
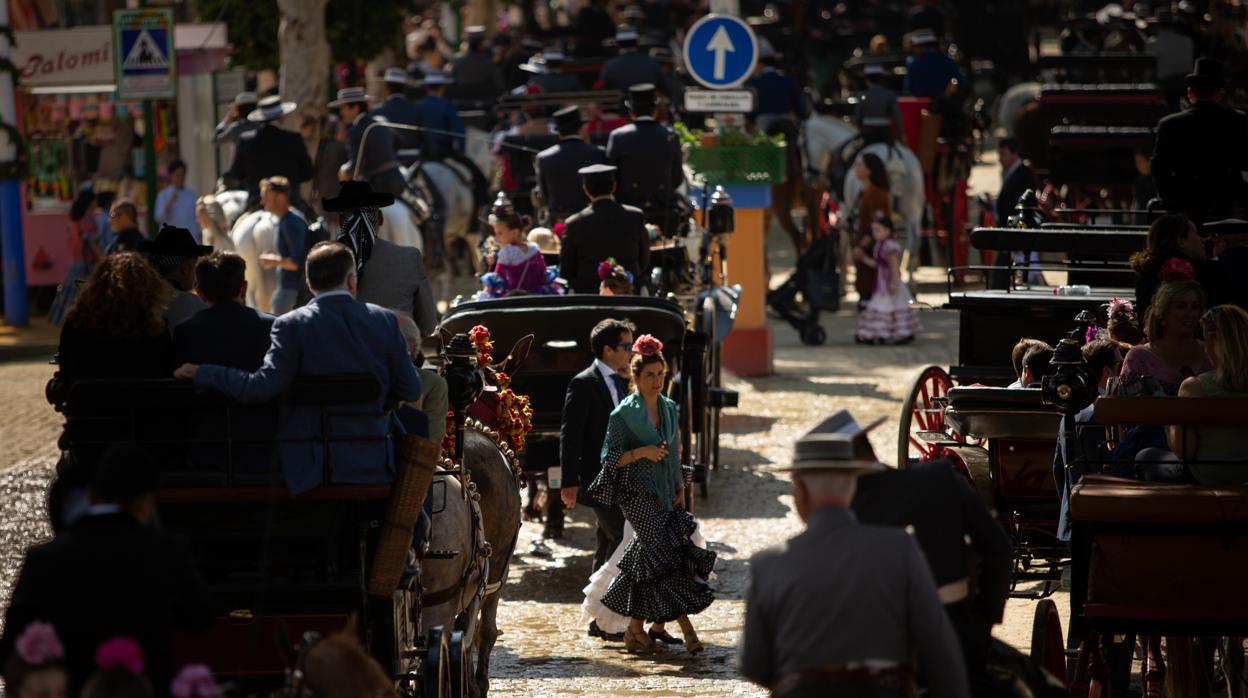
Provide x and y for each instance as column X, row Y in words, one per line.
column 818, row 283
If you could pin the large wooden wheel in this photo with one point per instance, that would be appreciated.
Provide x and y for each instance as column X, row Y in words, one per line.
column 923, row 412
column 1048, row 644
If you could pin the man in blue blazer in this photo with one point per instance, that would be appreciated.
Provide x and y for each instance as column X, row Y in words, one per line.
column 333, row 334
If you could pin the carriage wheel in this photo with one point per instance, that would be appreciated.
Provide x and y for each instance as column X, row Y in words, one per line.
column 436, row 677
column 707, row 438
column 921, row 412
column 1048, row 646
column 459, row 665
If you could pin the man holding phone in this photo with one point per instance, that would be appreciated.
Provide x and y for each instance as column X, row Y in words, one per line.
column 592, row 395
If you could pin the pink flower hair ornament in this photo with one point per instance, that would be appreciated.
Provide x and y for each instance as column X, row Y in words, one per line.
column 1177, row 269
column 38, row 644
column 605, row 269
column 1118, row 305
column 647, row 345
column 194, row 681
column 121, row 653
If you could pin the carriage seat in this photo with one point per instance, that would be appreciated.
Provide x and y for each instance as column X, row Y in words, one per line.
column 1112, row 92
column 1108, row 499
column 993, row 413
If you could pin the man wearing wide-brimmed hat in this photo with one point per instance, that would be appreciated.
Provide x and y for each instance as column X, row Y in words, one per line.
column 236, row 123
column 547, row 71
column 1201, row 153
column 174, row 253
column 445, row 136
column 476, row 77
column 844, row 608
column 879, row 101
column 271, row 151
column 377, row 162
column 930, row 70
column 632, row 66
column 398, row 109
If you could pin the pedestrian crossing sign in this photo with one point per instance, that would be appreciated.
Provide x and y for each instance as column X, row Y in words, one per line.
column 144, row 54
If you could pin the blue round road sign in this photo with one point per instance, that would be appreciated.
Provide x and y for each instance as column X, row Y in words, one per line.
column 721, row 51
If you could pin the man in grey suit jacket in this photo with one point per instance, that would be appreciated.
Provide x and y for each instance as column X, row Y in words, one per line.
column 333, row 334
column 843, row 604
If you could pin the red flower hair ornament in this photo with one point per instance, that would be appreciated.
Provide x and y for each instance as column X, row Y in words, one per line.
column 121, row 653
column 1177, row 269
column 648, row 345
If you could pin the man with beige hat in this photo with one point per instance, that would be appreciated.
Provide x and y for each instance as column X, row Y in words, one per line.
column 845, row 608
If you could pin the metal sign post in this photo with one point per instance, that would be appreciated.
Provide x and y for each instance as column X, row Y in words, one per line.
column 146, row 67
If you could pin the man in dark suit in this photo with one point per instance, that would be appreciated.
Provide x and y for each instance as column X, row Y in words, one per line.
column 333, row 334
column 398, row 109
column 112, row 574
column 1016, row 178
column 558, row 183
column 632, row 66
column 227, row 332
column 605, row 228
column 592, row 395
column 1201, row 153
column 378, row 161
column 648, row 155
column 270, row 151
column 943, row 511
column 477, row 78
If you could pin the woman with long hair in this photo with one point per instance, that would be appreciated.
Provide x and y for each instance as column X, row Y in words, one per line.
column 116, row 328
column 1174, row 236
column 875, row 202
column 1216, row 455
column 662, row 573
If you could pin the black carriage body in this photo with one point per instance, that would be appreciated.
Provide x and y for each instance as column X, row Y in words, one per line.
column 561, row 325
column 277, row 565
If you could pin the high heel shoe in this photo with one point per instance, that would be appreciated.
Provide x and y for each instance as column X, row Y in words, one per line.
column 638, row 643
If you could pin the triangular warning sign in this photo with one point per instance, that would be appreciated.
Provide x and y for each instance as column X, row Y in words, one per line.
column 145, row 53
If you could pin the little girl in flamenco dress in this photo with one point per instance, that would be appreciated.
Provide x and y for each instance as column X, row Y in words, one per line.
column 888, row 317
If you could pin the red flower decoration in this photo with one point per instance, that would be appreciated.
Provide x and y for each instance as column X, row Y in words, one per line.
column 647, row 345
column 604, row 269
column 480, row 337
column 120, row 653
column 1177, row 269
column 559, row 229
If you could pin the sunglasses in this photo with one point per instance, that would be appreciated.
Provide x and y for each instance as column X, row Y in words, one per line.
column 626, row 346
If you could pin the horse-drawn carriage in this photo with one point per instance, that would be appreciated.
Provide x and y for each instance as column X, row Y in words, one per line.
column 561, row 349
column 280, row 566
column 1003, row 439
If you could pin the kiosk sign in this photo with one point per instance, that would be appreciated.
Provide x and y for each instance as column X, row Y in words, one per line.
column 143, row 54
column 721, row 51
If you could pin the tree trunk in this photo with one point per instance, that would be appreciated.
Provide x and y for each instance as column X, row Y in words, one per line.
column 305, row 61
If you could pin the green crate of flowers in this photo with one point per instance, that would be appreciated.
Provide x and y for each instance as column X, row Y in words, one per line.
column 761, row 163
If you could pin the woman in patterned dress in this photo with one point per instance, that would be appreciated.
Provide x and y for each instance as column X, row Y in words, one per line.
column 662, row 574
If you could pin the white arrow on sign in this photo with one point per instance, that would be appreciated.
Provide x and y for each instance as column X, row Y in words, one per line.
column 721, row 44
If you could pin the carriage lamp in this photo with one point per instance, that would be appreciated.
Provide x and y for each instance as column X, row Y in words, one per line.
column 464, row 384
column 721, row 220
column 1028, row 213
column 1067, row 388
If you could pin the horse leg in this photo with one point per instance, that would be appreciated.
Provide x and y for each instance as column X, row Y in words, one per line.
column 781, row 206
column 488, row 635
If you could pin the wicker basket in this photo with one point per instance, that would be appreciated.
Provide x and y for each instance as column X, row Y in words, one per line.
column 749, row 164
column 416, row 458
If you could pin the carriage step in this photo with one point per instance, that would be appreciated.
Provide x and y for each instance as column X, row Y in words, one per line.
column 937, row 438
column 721, row 398
column 441, row 554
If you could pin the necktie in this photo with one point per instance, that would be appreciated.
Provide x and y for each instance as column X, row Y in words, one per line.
column 621, row 387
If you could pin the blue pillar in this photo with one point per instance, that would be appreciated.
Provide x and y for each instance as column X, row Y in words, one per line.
column 12, row 245
column 13, row 252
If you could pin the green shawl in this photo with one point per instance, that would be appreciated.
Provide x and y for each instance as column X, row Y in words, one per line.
column 663, row 478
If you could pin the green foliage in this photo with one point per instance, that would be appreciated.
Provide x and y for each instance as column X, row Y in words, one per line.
column 727, row 137
column 355, row 30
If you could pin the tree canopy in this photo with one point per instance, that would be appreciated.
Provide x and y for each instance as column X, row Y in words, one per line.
column 355, row 30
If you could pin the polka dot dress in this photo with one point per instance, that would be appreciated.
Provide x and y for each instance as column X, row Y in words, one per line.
column 662, row 573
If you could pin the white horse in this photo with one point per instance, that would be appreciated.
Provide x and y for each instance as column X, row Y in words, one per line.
column 824, row 135
column 905, row 178
column 1012, row 102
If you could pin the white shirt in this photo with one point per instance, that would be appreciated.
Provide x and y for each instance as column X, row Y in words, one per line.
column 608, row 375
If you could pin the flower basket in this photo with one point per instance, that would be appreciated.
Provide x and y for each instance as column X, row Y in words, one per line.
column 748, row 164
